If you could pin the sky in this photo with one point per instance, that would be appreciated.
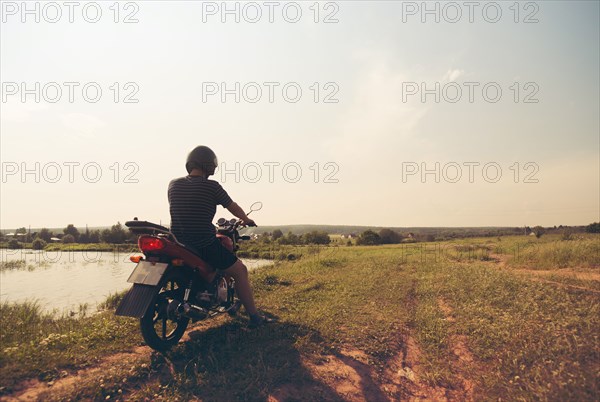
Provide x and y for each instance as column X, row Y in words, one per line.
column 376, row 113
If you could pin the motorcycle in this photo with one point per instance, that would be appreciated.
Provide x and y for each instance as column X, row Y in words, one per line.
column 172, row 285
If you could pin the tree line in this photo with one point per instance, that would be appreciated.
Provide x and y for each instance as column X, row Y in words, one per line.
column 313, row 237
column 116, row 234
column 388, row 236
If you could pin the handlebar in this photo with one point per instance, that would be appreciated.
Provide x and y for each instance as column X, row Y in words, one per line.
column 254, row 207
column 239, row 223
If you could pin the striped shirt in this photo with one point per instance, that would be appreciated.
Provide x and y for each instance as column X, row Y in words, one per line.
column 193, row 202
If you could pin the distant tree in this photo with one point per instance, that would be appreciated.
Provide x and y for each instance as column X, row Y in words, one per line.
column 349, row 243
column 72, row 230
column 290, row 238
column 105, row 235
column 85, row 236
column 115, row 235
column 68, row 238
column 265, row 237
column 277, row 234
column 22, row 230
column 368, row 238
column 131, row 237
column 593, row 227
column 389, row 236
column 94, row 236
column 316, row 237
column 38, row 244
column 45, row 235
column 14, row 244
column 538, row 231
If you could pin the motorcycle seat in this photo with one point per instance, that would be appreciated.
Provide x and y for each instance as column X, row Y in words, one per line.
column 145, row 227
column 188, row 255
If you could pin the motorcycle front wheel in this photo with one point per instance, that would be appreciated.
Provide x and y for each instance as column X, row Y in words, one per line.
column 160, row 330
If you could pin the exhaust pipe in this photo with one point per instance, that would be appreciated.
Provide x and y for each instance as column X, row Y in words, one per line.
column 192, row 311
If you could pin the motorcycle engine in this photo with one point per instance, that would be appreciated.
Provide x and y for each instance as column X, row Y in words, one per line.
column 204, row 298
column 216, row 293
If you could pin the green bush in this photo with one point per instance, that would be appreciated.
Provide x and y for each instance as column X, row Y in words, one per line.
column 316, row 237
column 38, row 244
column 593, row 227
column 389, row 236
column 538, row 231
column 368, row 238
column 14, row 244
column 567, row 235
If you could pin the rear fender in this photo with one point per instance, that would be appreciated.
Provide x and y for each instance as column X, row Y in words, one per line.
column 147, row 279
column 137, row 300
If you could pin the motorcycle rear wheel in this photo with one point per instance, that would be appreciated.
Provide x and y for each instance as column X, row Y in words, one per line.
column 160, row 331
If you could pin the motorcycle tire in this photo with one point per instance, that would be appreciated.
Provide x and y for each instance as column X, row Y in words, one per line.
column 160, row 331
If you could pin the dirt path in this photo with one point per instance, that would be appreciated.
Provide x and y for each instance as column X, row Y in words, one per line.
column 33, row 390
column 501, row 261
column 567, row 273
column 406, row 371
column 351, row 376
column 348, row 373
column 465, row 360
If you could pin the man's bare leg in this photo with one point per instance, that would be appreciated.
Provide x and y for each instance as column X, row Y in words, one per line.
column 239, row 272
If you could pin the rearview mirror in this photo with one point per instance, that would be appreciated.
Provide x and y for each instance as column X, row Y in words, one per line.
column 256, row 206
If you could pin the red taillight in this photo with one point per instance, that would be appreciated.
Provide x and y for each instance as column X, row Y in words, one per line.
column 147, row 243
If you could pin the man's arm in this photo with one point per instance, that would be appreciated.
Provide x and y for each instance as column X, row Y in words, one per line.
column 238, row 212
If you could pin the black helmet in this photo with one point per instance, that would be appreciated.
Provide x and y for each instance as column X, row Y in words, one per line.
column 203, row 158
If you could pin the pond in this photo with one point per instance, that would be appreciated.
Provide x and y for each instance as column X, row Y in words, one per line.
column 63, row 280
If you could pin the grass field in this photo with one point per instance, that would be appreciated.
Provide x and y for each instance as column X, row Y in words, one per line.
column 508, row 318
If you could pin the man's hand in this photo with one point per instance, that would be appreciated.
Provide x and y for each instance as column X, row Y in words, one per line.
column 239, row 213
column 248, row 222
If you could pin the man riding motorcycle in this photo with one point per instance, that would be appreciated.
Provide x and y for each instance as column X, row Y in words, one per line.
column 192, row 204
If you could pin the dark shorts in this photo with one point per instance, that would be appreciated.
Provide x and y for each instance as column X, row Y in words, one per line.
column 216, row 255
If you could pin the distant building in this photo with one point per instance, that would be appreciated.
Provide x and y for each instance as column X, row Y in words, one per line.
column 20, row 235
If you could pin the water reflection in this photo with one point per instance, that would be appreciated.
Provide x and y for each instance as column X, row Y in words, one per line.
column 62, row 280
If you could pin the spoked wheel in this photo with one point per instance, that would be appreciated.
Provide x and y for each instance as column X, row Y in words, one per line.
column 160, row 327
